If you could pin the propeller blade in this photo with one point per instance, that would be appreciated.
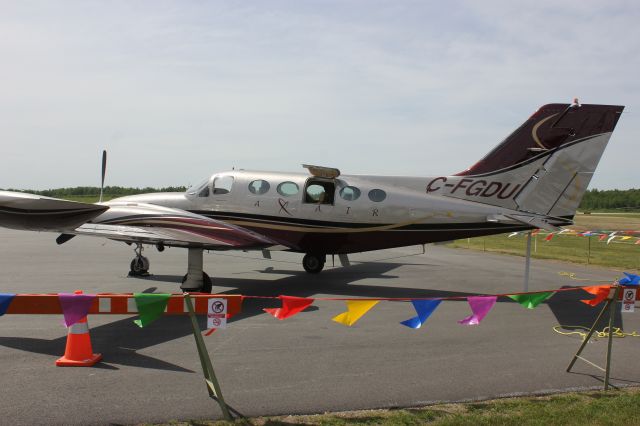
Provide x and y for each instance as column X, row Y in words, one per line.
column 104, row 171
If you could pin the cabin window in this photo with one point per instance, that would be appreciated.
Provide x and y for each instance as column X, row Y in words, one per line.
column 377, row 195
column 319, row 192
column 350, row 193
column 222, row 185
column 288, row 189
column 259, row 187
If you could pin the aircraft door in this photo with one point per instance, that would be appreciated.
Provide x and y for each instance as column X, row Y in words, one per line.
column 318, row 198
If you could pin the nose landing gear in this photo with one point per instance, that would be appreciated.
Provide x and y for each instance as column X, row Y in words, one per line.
column 139, row 266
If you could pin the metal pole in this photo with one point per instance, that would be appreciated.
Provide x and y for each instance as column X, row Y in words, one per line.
column 591, row 331
column 213, row 387
column 612, row 314
column 527, row 264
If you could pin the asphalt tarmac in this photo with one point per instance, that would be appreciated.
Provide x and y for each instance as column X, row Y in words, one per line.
column 307, row 363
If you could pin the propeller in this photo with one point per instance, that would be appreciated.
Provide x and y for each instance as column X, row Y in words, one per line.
column 104, row 171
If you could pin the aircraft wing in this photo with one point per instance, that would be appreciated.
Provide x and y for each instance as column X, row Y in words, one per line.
column 177, row 230
column 37, row 213
column 124, row 221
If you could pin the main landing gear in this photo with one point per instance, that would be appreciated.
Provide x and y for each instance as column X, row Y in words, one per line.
column 196, row 280
column 313, row 263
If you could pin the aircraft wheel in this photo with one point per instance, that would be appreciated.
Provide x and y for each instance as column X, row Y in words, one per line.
column 139, row 266
column 313, row 263
column 207, row 284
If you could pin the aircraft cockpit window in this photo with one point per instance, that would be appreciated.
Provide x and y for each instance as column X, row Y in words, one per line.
column 195, row 189
column 377, row 195
column 288, row 189
column 319, row 192
column 350, row 193
column 222, row 185
column 259, row 187
column 204, row 192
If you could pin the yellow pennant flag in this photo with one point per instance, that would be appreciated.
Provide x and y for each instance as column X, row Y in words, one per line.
column 626, row 238
column 355, row 310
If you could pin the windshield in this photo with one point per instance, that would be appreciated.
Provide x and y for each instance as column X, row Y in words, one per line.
column 193, row 190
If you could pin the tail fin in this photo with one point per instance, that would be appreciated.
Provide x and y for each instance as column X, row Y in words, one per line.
column 543, row 167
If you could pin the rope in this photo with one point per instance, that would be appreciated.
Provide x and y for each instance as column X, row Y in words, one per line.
column 573, row 276
column 617, row 332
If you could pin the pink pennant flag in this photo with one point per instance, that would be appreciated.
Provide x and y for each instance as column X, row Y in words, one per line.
column 480, row 306
column 602, row 237
column 637, row 241
column 75, row 306
column 290, row 306
column 535, row 231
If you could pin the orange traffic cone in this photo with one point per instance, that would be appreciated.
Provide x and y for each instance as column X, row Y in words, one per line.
column 79, row 352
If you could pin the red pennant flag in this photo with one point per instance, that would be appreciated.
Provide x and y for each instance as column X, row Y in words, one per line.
column 549, row 237
column 290, row 307
column 600, row 291
column 602, row 237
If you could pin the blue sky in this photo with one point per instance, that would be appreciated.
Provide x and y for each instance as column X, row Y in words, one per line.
column 178, row 90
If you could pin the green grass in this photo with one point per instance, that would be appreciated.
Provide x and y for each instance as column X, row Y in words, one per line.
column 587, row 250
column 589, row 408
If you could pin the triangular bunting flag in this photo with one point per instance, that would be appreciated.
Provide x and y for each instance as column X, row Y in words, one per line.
column 602, row 237
column 549, row 237
column 75, row 306
column 531, row 300
column 535, row 232
column 151, row 306
column 424, row 308
column 630, row 279
column 290, row 307
column 480, row 307
column 355, row 310
column 5, row 301
column 600, row 291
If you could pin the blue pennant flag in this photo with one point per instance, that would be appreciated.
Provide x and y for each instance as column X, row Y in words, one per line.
column 630, row 279
column 5, row 301
column 424, row 308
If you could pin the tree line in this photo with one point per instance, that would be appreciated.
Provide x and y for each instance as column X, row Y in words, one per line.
column 90, row 191
column 611, row 199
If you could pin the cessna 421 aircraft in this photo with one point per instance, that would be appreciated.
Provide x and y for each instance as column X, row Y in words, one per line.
column 535, row 178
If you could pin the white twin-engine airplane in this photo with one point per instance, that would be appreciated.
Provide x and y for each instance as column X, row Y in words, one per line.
column 535, row 178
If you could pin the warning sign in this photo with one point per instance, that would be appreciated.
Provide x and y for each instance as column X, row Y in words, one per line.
column 217, row 313
column 628, row 299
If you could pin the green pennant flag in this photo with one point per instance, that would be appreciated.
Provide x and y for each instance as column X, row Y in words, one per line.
column 150, row 307
column 531, row 300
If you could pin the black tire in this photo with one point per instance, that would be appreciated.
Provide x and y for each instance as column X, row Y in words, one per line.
column 207, row 284
column 313, row 263
column 139, row 266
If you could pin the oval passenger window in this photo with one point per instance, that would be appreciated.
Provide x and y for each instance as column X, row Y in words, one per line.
column 377, row 195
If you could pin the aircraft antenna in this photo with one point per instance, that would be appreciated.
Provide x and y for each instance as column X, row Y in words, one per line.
column 104, row 170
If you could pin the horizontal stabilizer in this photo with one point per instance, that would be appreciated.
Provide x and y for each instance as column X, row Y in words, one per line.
column 534, row 221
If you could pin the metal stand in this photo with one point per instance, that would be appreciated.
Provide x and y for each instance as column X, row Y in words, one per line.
column 527, row 264
column 213, row 387
column 610, row 305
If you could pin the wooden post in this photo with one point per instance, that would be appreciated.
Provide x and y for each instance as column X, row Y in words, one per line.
column 213, row 387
